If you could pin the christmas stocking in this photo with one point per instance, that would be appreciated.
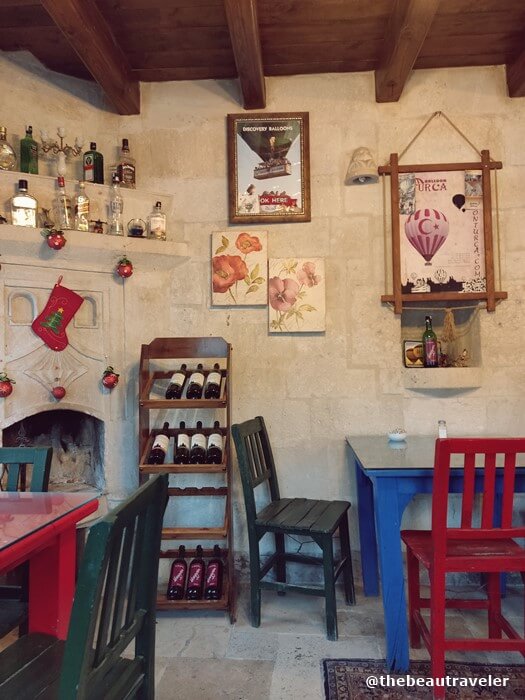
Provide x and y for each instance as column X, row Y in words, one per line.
column 51, row 324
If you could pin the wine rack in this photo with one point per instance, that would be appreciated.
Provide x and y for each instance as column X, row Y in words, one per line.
column 152, row 384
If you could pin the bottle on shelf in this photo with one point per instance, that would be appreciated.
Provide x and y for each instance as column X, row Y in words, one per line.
column 177, row 580
column 214, row 576
column 212, row 388
column 29, row 153
column 195, row 383
column 93, row 165
column 214, row 448
column 7, row 152
column 116, row 207
column 157, row 223
column 160, row 446
column 195, row 587
column 81, row 208
column 176, row 385
column 430, row 345
column 62, row 206
column 126, row 166
column 23, row 207
column 198, row 446
column 182, row 447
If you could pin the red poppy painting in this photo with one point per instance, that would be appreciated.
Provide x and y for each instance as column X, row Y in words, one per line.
column 238, row 268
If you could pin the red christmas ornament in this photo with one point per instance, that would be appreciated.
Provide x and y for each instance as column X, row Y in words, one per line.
column 110, row 378
column 55, row 239
column 6, row 385
column 58, row 392
column 124, row 268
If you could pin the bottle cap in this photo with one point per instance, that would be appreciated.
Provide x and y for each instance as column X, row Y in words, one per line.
column 22, row 184
column 3, row 130
column 29, row 130
column 93, row 146
column 158, row 205
column 60, row 181
column 115, row 179
column 125, row 144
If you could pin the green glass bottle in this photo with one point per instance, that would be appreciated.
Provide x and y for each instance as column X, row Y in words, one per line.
column 29, row 153
column 93, row 165
column 430, row 345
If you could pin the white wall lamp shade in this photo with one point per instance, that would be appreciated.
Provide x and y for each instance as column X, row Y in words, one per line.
column 362, row 169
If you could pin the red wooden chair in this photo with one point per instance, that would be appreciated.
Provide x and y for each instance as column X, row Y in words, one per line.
column 477, row 545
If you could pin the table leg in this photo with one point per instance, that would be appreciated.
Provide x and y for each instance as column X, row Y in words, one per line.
column 389, row 507
column 367, row 532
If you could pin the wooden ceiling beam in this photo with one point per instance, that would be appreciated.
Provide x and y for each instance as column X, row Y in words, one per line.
column 246, row 43
column 516, row 76
column 407, row 29
column 91, row 37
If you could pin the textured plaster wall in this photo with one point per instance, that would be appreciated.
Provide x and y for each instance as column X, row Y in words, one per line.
column 311, row 389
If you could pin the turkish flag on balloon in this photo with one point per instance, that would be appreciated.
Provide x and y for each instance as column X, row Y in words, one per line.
column 427, row 230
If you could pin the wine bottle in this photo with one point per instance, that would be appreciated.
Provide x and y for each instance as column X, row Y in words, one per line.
column 195, row 384
column 126, row 170
column 430, row 345
column 161, row 443
column 198, row 446
column 177, row 580
column 29, row 153
column 195, row 585
column 214, row 576
column 176, row 385
column 212, row 388
column 182, row 448
column 214, row 449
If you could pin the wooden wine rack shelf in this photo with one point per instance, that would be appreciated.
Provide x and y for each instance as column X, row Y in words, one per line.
column 152, row 387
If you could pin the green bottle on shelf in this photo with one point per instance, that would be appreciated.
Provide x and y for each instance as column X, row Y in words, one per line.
column 430, row 345
column 29, row 153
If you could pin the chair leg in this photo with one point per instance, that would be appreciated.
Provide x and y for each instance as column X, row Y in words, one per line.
column 414, row 598
column 494, row 596
column 437, row 632
column 329, row 587
column 255, row 590
column 280, row 565
column 346, row 553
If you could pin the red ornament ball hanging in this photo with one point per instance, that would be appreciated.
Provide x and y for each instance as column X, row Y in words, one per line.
column 6, row 385
column 55, row 239
column 58, row 392
column 110, row 378
column 124, row 268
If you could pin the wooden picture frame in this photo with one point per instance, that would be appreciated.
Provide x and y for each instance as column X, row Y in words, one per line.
column 269, row 167
column 426, row 227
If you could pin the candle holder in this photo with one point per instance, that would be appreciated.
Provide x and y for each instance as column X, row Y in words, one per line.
column 60, row 149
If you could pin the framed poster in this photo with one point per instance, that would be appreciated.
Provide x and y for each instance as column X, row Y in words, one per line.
column 239, row 265
column 269, row 167
column 296, row 295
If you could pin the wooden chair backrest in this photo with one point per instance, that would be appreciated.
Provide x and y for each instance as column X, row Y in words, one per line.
column 480, row 459
column 16, row 460
column 115, row 601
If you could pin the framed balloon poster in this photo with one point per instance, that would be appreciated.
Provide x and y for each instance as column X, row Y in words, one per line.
column 442, row 247
column 268, row 168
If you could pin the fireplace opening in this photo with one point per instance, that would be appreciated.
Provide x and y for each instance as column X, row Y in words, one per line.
column 77, row 440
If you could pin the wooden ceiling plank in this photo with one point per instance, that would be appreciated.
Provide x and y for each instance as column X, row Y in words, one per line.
column 407, row 28
column 89, row 34
column 516, row 76
column 246, row 43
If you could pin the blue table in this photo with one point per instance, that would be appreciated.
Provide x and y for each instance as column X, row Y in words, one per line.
column 388, row 476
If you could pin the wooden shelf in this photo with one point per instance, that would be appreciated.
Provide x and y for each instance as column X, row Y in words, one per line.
column 182, row 468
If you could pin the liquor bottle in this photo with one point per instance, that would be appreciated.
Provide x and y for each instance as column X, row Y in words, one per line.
column 7, row 153
column 62, row 207
column 176, row 385
column 195, row 384
column 29, row 153
column 430, row 346
column 212, row 388
column 157, row 223
column 195, row 585
column 81, row 208
column 198, row 446
column 126, row 166
column 177, row 580
column 93, row 165
column 161, row 443
column 23, row 207
column 182, row 448
column 116, row 207
column 214, row 576
column 214, row 449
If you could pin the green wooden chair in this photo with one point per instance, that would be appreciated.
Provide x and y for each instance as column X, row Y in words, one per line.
column 316, row 519
column 21, row 469
column 114, row 606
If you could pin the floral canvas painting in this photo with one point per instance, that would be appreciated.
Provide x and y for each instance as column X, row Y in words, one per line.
column 238, row 268
column 296, row 295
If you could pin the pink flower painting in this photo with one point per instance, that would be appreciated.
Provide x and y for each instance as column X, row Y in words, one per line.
column 238, row 268
column 296, row 295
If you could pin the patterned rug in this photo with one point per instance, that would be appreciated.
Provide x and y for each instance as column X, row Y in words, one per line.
column 346, row 679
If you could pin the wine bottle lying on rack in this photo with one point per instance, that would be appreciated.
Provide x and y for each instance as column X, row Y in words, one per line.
column 177, row 581
column 182, row 446
column 195, row 384
column 212, row 388
column 198, row 446
column 161, row 443
column 176, row 385
column 214, row 576
column 214, row 448
column 195, row 585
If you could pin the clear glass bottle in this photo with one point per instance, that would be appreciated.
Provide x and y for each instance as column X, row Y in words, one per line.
column 29, row 153
column 157, row 223
column 81, row 208
column 126, row 166
column 7, row 153
column 23, row 207
column 116, row 207
column 62, row 207
column 93, row 165
column 442, row 429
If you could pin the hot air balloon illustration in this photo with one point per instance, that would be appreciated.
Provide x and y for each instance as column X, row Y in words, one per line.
column 271, row 141
column 427, row 230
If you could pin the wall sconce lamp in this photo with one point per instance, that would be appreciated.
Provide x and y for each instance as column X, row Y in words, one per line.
column 362, row 169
